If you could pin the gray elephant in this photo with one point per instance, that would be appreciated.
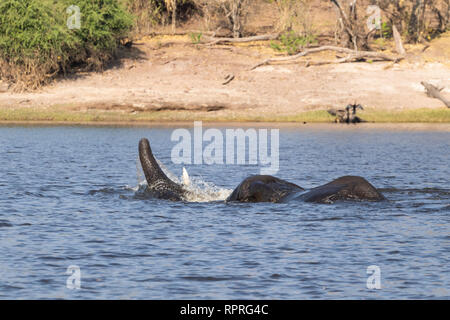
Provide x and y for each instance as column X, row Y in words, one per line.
column 260, row 188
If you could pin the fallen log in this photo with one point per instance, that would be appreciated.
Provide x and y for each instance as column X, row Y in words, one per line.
column 265, row 37
column 178, row 33
column 352, row 56
column 435, row 92
column 349, row 58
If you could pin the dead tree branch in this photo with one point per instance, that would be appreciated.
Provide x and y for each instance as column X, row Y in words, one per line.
column 352, row 56
column 228, row 79
column 435, row 92
column 398, row 41
column 346, row 23
column 353, row 34
column 214, row 40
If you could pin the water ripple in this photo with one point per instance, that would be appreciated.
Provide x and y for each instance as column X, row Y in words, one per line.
column 86, row 206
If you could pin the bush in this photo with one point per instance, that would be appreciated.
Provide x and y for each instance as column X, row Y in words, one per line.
column 33, row 42
column 36, row 44
column 386, row 30
column 104, row 25
column 290, row 42
column 196, row 37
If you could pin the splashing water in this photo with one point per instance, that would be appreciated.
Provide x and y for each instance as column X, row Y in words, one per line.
column 139, row 172
column 202, row 191
column 197, row 189
column 186, row 179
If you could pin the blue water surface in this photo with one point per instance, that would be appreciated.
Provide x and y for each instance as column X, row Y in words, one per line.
column 68, row 198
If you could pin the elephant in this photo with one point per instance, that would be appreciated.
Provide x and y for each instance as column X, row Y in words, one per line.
column 260, row 188
column 271, row 189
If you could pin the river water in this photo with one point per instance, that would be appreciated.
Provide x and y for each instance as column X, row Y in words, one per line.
column 71, row 196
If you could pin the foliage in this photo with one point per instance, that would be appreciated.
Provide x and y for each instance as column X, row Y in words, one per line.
column 196, row 37
column 104, row 23
column 290, row 42
column 33, row 42
column 36, row 43
column 386, row 29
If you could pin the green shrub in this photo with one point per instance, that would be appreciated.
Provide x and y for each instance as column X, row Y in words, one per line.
column 290, row 42
column 386, row 29
column 33, row 42
column 103, row 24
column 36, row 44
column 196, row 37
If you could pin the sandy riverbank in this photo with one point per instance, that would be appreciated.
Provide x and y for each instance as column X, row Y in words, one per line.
column 171, row 79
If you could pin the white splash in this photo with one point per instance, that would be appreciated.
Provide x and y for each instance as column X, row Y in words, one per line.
column 197, row 189
column 139, row 173
column 202, row 191
column 186, row 179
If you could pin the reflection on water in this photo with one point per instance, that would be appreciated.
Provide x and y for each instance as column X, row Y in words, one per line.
column 73, row 196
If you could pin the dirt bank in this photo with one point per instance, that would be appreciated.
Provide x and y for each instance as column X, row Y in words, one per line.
column 169, row 78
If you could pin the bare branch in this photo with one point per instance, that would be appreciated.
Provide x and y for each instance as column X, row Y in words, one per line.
column 353, row 55
column 265, row 37
column 228, row 79
column 435, row 92
column 398, row 41
column 346, row 23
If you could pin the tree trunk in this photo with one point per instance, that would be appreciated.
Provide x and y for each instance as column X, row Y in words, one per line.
column 447, row 16
column 235, row 14
column 414, row 22
column 174, row 16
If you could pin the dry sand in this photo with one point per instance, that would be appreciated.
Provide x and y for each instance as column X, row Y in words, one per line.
column 171, row 73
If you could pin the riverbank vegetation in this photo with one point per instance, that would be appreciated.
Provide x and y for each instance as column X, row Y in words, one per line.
column 37, row 44
column 64, row 115
column 148, row 48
